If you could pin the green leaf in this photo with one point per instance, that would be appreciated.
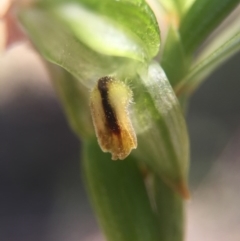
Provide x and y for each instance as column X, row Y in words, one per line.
column 74, row 98
column 134, row 18
column 170, row 210
column 92, row 44
column 201, row 19
column 208, row 65
column 100, row 33
column 174, row 61
column 59, row 45
column 117, row 28
column 162, row 135
column 134, row 15
column 119, row 196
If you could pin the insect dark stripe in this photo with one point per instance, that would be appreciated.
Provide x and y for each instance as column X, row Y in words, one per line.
column 103, row 87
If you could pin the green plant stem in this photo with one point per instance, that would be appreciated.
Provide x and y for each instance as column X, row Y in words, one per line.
column 119, row 196
column 170, row 210
column 206, row 66
column 201, row 19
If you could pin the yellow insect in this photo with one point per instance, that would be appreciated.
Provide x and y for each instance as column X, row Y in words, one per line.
column 109, row 103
